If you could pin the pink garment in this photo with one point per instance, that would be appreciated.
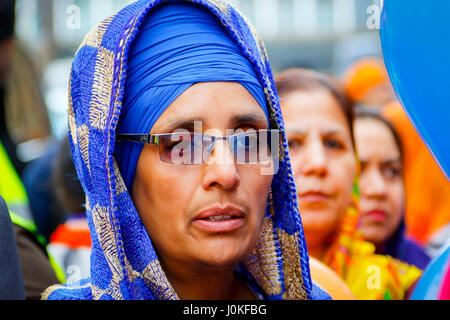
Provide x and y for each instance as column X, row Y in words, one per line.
column 445, row 290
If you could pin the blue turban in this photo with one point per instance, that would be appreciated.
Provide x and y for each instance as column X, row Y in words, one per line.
column 178, row 45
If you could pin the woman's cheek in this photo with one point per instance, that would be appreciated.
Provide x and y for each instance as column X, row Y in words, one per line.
column 172, row 186
column 395, row 196
column 344, row 175
column 257, row 188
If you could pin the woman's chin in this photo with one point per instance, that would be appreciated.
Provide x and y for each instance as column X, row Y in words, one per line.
column 222, row 253
column 374, row 234
column 318, row 221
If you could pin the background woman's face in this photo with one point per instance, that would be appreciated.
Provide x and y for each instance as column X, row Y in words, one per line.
column 170, row 197
column 381, row 183
column 322, row 157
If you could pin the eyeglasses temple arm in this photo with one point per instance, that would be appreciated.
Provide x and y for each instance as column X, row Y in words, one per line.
column 146, row 138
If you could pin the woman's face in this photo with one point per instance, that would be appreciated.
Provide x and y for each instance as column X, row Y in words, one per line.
column 381, row 183
column 174, row 201
column 323, row 160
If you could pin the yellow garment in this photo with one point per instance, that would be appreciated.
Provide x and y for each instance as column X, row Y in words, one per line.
column 13, row 191
column 369, row 276
column 11, row 188
column 372, row 276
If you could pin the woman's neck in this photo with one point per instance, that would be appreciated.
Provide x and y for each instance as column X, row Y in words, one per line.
column 317, row 251
column 380, row 248
column 317, row 244
column 207, row 284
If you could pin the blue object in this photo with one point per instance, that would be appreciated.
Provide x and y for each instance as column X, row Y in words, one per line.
column 416, row 47
column 404, row 249
column 124, row 262
column 429, row 285
column 175, row 48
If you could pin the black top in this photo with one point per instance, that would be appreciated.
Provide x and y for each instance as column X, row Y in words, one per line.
column 11, row 280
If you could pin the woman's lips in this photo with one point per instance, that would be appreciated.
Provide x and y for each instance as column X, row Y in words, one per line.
column 375, row 215
column 313, row 196
column 217, row 219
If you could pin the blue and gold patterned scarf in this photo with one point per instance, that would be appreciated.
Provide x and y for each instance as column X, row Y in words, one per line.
column 124, row 264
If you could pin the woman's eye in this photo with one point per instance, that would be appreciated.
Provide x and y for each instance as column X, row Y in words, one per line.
column 294, row 144
column 179, row 143
column 171, row 145
column 333, row 144
column 248, row 141
column 391, row 172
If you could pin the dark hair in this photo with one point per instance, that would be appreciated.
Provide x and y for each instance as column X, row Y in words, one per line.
column 68, row 188
column 7, row 18
column 298, row 79
column 362, row 111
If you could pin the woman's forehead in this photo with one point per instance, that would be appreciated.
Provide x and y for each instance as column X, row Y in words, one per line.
column 212, row 105
column 322, row 123
column 373, row 138
column 318, row 106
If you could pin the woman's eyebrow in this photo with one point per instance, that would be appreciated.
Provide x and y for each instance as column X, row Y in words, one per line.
column 387, row 162
column 248, row 118
column 392, row 161
column 334, row 132
column 181, row 123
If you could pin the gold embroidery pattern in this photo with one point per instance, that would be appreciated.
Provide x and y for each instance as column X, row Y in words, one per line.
column 155, row 278
column 95, row 36
column 88, row 207
column 83, row 139
column 120, row 184
column 263, row 262
column 221, row 5
column 113, row 290
column 105, row 233
column 101, row 89
column 49, row 290
column 292, row 272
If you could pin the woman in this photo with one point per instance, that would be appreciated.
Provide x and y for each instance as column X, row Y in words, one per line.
column 178, row 218
column 318, row 119
column 427, row 209
column 382, row 188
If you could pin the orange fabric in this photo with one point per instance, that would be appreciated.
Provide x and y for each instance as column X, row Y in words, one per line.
column 427, row 189
column 71, row 237
column 329, row 280
column 364, row 75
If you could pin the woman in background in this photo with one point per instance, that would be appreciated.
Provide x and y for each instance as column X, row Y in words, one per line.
column 319, row 125
column 427, row 209
column 382, row 188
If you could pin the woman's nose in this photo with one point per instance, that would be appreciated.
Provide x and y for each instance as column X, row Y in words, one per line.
column 221, row 170
column 314, row 160
column 372, row 183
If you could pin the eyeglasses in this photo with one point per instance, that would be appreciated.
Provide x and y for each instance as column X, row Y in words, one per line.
column 187, row 148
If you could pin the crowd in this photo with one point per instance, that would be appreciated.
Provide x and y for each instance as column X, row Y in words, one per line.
column 298, row 184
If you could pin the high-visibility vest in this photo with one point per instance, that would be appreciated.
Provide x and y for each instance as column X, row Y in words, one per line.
column 11, row 187
column 13, row 191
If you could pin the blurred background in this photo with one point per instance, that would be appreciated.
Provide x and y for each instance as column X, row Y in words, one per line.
column 327, row 35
